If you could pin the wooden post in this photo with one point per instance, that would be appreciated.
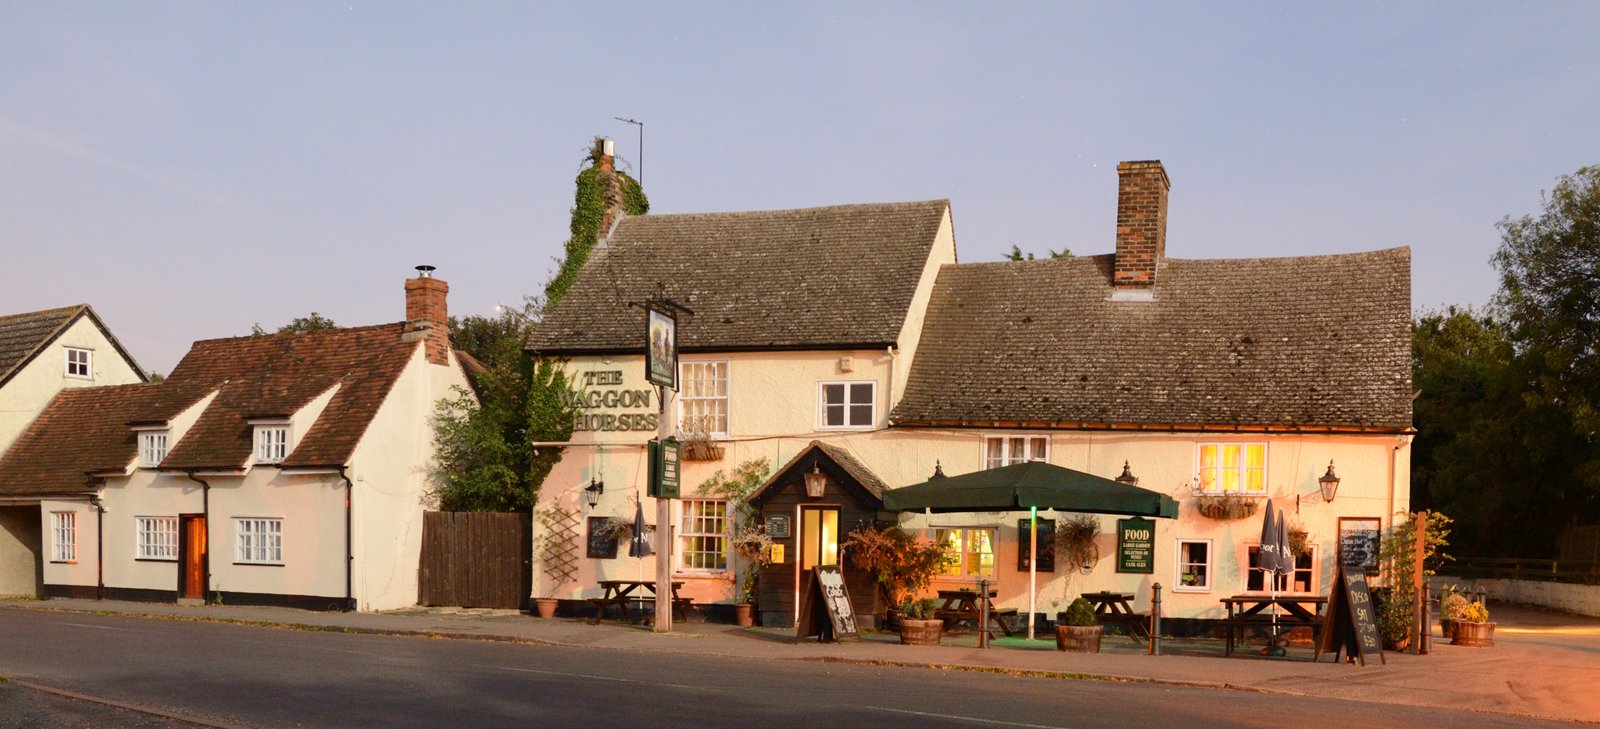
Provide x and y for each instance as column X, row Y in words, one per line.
column 1419, row 539
column 668, row 427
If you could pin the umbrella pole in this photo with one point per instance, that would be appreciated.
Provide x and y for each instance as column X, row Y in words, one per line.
column 1033, row 566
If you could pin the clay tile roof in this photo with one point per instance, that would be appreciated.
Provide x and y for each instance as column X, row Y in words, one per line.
column 22, row 336
column 83, row 429
column 1310, row 342
column 815, row 278
column 844, row 458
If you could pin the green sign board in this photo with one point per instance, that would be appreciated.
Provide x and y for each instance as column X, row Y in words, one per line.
column 1136, row 545
column 664, row 460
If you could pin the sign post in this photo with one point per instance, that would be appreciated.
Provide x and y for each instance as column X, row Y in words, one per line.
column 661, row 369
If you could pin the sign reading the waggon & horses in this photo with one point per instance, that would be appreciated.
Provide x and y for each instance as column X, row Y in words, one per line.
column 602, row 395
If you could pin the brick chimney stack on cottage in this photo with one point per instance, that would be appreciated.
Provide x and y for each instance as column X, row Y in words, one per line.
column 426, row 316
column 612, row 182
column 1141, row 223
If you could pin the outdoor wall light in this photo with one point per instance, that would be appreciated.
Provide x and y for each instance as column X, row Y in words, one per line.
column 1329, row 484
column 816, row 482
column 591, row 494
column 1127, row 476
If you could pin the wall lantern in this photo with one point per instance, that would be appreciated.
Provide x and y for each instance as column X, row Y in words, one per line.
column 591, row 494
column 816, row 482
column 938, row 470
column 1127, row 477
column 1329, row 484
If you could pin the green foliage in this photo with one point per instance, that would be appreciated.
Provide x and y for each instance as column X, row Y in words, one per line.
column 588, row 207
column 1397, row 553
column 902, row 563
column 750, row 541
column 1081, row 613
column 314, row 323
column 920, row 609
column 1016, row 254
column 1455, row 605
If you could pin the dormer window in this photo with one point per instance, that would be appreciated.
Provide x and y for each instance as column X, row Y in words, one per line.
column 80, row 363
column 272, row 443
column 152, row 448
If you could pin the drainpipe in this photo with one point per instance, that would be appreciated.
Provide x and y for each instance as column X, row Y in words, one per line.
column 894, row 359
column 205, row 514
column 349, row 552
column 99, row 546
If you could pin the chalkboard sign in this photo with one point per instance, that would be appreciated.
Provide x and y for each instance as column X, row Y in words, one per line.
column 1047, row 545
column 1351, row 624
column 837, row 619
column 779, row 526
column 1358, row 543
column 1136, row 545
column 601, row 544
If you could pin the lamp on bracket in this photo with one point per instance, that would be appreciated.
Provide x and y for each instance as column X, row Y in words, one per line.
column 1127, row 476
column 591, row 493
column 816, row 482
column 1329, row 483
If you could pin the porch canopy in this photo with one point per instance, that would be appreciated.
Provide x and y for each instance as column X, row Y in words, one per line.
column 1032, row 484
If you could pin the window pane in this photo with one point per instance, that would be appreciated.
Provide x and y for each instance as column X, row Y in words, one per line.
column 861, row 393
column 833, row 393
column 861, row 415
column 834, row 416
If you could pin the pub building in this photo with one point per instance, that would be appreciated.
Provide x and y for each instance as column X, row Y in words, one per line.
column 849, row 341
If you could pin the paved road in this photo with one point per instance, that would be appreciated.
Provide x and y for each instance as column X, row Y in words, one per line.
column 248, row 676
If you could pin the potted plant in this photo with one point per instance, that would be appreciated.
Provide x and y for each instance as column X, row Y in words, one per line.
column 1224, row 507
column 1075, row 542
column 754, row 547
column 918, row 626
column 750, row 544
column 1454, row 609
column 902, row 563
column 1080, row 631
column 546, row 606
column 1398, row 604
column 1474, row 628
column 696, row 442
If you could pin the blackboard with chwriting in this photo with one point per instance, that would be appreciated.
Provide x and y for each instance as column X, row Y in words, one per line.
column 602, row 545
column 1351, row 623
column 836, row 619
column 1047, row 542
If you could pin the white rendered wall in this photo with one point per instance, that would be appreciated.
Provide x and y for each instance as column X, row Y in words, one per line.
column 25, row 395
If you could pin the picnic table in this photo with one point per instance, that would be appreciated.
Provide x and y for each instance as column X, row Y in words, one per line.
column 1247, row 611
column 1116, row 608
column 968, row 605
column 621, row 593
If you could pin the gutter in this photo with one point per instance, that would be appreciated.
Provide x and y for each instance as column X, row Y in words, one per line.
column 205, row 511
column 349, row 551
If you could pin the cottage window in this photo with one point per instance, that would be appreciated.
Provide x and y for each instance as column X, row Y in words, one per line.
column 80, row 363
column 972, row 551
column 847, row 404
column 64, row 536
column 272, row 443
column 1006, row 450
column 1233, row 468
column 156, row 537
column 1302, row 580
column 258, row 541
column 704, row 540
column 1194, row 565
column 152, row 448
column 703, row 400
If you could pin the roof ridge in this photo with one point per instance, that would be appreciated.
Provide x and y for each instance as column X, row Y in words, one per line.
column 51, row 310
column 817, row 208
column 317, row 333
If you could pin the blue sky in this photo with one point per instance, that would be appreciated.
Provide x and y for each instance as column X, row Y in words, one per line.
column 193, row 168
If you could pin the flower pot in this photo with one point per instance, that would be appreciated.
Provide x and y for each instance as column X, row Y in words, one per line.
column 1473, row 634
column 744, row 614
column 1079, row 638
column 1447, row 628
column 546, row 606
column 920, row 632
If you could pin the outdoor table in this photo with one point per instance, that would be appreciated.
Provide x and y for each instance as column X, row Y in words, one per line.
column 621, row 592
column 967, row 605
column 1116, row 608
column 1249, row 610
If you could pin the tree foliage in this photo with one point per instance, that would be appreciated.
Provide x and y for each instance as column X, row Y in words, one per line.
column 1016, row 254
column 314, row 323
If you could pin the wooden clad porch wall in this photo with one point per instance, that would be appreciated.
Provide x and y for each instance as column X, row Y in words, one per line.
column 777, row 590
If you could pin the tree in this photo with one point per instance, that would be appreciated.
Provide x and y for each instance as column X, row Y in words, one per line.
column 314, row 323
column 1016, row 254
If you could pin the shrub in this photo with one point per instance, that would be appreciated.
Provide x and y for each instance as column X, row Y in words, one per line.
column 1081, row 613
column 922, row 609
column 1475, row 613
column 903, row 564
column 1455, row 606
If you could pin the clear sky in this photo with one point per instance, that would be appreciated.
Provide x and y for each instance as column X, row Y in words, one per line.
column 193, row 168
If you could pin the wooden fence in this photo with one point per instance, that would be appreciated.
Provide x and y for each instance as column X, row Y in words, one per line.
column 1540, row 570
column 475, row 560
column 1579, row 544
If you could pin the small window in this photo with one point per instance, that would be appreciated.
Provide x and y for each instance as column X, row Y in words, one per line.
column 152, row 448
column 704, row 537
column 973, row 550
column 1194, row 565
column 156, row 537
column 848, row 404
column 1006, row 450
column 1233, row 468
column 272, row 443
column 64, row 536
column 80, row 363
column 258, row 541
column 1300, row 581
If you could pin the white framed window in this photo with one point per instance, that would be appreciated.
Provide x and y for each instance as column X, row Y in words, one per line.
column 703, row 536
column 1233, row 468
column 973, row 551
column 258, row 540
column 1303, row 579
column 1194, row 566
column 63, row 536
column 272, row 443
column 703, row 398
column 80, row 363
column 1004, row 450
column 847, row 404
column 152, row 447
column 155, row 537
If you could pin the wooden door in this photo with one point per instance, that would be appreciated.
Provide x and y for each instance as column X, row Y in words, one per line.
column 192, row 570
column 818, row 544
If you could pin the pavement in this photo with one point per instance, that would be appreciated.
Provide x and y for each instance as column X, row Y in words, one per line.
column 1543, row 664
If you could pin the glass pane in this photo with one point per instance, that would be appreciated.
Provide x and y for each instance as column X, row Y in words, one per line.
column 810, row 531
column 995, row 453
column 1038, row 453
column 861, row 415
column 833, row 394
column 833, row 416
column 830, row 537
column 861, row 393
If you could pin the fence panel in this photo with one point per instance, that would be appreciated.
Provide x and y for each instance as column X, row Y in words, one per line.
column 475, row 560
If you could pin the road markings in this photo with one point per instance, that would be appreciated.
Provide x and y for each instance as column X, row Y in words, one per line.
column 973, row 719
column 107, row 627
column 597, row 678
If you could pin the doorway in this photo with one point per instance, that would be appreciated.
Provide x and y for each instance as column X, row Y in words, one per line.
column 818, row 545
column 193, row 568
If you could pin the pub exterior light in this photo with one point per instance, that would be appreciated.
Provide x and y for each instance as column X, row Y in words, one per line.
column 1127, row 476
column 1329, row 484
column 816, row 482
column 591, row 494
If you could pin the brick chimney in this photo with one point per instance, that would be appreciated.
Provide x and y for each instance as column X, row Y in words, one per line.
column 613, row 190
column 426, row 316
column 1141, row 223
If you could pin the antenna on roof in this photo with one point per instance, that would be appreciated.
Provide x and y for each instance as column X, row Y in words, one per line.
column 640, row 125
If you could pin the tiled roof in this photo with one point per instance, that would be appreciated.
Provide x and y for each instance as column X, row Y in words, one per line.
column 84, row 429
column 784, row 279
column 23, row 335
column 1312, row 342
column 844, row 458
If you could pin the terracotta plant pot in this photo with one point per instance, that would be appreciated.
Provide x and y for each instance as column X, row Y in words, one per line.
column 1079, row 638
column 1480, row 635
column 920, row 632
column 744, row 614
column 546, row 606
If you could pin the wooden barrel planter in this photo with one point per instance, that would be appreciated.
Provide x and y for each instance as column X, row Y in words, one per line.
column 1473, row 634
column 920, row 632
column 1079, row 638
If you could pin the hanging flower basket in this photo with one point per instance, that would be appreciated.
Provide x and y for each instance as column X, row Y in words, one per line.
column 699, row 450
column 1226, row 507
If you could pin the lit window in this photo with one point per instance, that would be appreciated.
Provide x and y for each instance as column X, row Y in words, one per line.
column 1233, row 468
column 258, row 541
column 80, row 363
column 64, row 536
column 704, row 537
column 152, row 448
column 1300, row 581
column 1006, row 450
column 272, row 443
column 703, row 399
column 1194, row 565
column 848, row 404
column 972, row 551
column 156, row 537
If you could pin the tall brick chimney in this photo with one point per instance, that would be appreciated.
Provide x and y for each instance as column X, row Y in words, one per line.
column 426, row 316
column 613, row 189
column 1141, row 223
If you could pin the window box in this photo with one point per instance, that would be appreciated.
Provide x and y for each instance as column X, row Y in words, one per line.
column 701, row 449
column 1226, row 507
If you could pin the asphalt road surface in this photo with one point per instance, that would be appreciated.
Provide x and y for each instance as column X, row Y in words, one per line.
column 232, row 675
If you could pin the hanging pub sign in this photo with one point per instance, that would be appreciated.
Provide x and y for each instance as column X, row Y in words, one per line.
column 1351, row 623
column 661, row 347
column 1047, row 545
column 1136, row 545
column 664, row 461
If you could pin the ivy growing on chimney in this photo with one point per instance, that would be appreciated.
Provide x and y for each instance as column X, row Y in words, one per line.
column 588, row 209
